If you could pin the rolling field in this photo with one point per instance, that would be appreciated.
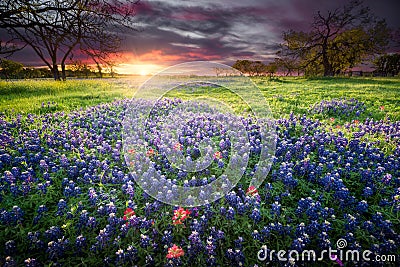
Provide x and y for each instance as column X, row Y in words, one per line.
column 284, row 95
column 68, row 178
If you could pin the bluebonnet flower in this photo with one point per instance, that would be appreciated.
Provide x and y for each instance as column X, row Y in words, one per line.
column 34, row 240
column 80, row 243
column 111, row 208
column 102, row 240
column 230, row 214
column 167, row 238
column 41, row 210
column 9, row 262
column 313, row 228
column 56, row 249
column 324, row 240
column 131, row 254
column 144, row 241
column 298, row 244
column 256, row 235
column 351, row 222
column 195, row 246
column 10, row 247
column 93, row 197
column 300, row 230
column 17, row 215
column 217, row 234
column 120, row 257
column 368, row 192
column 341, row 170
column 255, row 215
column 276, row 208
column 210, row 246
column 362, row 206
column 31, row 262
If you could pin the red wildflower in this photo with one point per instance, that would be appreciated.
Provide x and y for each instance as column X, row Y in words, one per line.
column 150, row 152
column 332, row 119
column 180, row 215
column 128, row 213
column 217, row 155
column 356, row 121
column 382, row 108
column 131, row 151
column 252, row 191
column 178, row 146
column 175, row 252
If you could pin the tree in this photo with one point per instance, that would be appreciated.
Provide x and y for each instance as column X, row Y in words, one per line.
column 218, row 71
column 252, row 68
column 80, row 68
column 287, row 65
column 38, row 24
column 7, row 12
column 243, row 66
column 54, row 29
column 10, row 69
column 95, row 29
column 388, row 64
column 271, row 68
column 257, row 68
column 337, row 40
column 7, row 48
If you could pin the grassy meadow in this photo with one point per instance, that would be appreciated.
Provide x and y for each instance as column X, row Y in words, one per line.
column 284, row 95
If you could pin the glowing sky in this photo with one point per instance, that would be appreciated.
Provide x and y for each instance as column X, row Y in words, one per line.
column 171, row 32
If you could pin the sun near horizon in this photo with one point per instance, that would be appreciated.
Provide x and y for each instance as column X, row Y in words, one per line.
column 138, row 69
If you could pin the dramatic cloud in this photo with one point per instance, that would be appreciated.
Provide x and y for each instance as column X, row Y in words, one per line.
column 170, row 32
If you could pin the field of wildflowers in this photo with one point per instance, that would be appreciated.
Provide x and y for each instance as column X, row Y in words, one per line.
column 67, row 197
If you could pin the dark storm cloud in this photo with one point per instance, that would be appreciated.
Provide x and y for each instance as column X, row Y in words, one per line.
column 213, row 29
column 229, row 29
column 225, row 30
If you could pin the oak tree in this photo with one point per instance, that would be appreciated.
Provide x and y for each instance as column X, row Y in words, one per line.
column 337, row 40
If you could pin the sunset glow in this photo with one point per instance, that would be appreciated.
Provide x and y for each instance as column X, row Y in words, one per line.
column 141, row 69
column 173, row 32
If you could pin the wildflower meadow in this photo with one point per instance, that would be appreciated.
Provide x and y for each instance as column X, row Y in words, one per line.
column 68, row 195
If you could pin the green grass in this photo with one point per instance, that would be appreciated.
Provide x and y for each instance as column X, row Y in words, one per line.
column 284, row 95
column 297, row 94
column 27, row 96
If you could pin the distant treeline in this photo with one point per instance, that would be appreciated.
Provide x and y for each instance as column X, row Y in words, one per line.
column 14, row 70
column 384, row 65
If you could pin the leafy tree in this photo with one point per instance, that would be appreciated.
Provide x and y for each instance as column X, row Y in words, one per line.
column 287, row 65
column 252, row 68
column 337, row 40
column 10, row 69
column 243, row 66
column 257, row 68
column 388, row 64
column 271, row 68
column 55, row 29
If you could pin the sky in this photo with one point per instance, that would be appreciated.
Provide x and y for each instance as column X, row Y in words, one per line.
column 175, row 31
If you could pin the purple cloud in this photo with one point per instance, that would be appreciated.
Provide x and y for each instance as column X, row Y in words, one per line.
column 176, row 31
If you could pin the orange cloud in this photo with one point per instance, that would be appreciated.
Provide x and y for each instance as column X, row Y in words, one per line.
column 159, row 56
column 155, row 56
column 155, row 60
